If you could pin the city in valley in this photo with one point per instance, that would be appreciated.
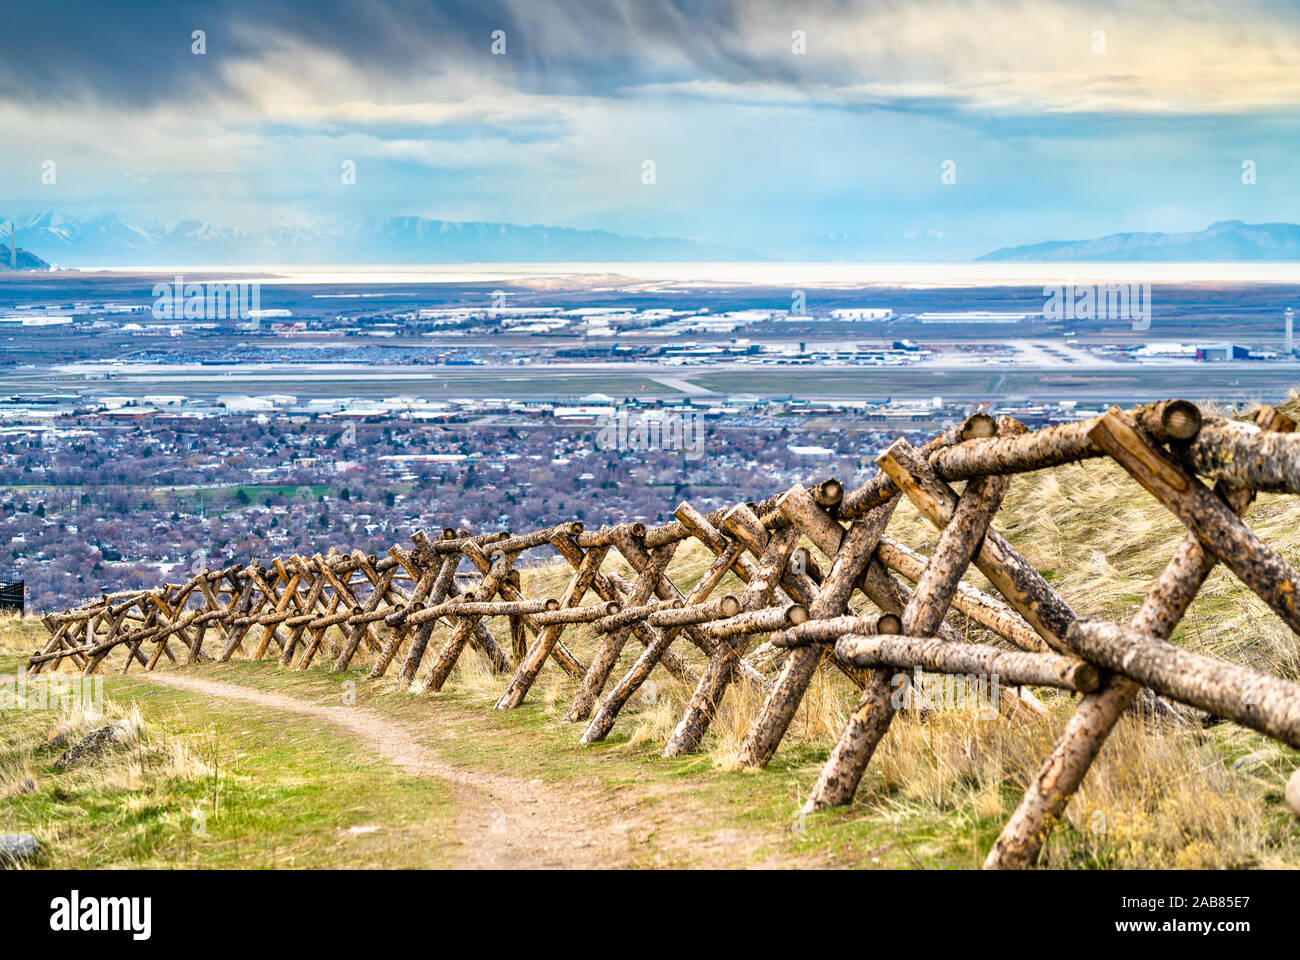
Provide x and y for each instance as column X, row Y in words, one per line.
column 154, row 425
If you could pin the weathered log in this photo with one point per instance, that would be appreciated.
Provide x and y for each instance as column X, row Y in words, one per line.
column 958, row 543
column 465, row 605
column 241, row 604
column 518, row 639
column 960, row 539
column 603, row 719
column 987, row 611
column 1059, row 777
column 1056, row 445
column 722, row 666
column 702, row 529
column 1240, row 454
column 829, row 494
column 1016, row 579
column 282, row 604
column 681, row 616
column 588, row 613
column 531, row 665
column 608, row 536
column 316, row 632
column 1211, row 520
column 612, row 646
column 509, row 589
column 630, row 615
column 430, row 585
column 852, row 552
column 359, row 625
column 1249, row 697
column 758, row 621
column 1011, row 666
column 297, row 625
column 1244, row 455
column 465, row 624
column 829, row 630
column 347, row 597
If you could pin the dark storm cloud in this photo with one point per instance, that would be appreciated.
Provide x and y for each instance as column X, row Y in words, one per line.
column 138, row 53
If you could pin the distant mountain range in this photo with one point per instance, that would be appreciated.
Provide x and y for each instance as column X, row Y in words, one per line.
column 22, row 260
column 1225, row 240
column 112, row 241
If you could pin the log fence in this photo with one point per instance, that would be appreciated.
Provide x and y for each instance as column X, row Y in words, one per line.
column 913, row 611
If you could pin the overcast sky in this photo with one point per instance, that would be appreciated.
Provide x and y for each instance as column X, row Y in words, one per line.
column 1063, row 119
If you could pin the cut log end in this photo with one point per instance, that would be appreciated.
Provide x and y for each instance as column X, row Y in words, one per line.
column 1274, row 420
column 1181, row 419
column 729, row 606
column 829, row 493
column 978, row 426
column 552, row 604
column 612, row 608
column 796, row 614
column 889, row 623
column 1087, row 678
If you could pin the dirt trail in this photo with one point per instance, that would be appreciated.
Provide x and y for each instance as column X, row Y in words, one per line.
column 501, row 821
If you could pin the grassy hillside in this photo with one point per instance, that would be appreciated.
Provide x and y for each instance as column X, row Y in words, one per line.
column 290, row 789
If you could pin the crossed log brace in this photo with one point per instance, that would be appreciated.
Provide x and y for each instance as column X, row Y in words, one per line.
column 393, row 605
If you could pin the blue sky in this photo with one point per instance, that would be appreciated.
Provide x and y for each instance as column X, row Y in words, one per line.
column 1064, row 119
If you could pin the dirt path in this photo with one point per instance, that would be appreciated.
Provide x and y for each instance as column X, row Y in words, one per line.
column 501, row 821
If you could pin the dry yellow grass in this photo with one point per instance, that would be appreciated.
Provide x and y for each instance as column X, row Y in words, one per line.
column 1158, row 796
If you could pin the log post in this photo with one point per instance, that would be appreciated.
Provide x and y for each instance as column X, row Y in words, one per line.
column 603, row 720
column 717, row 675
column 852, row 556
column 308, row 606
column 1248, row 697
column 526, row 674
column 959, row 540
column 465, row 623
column 1041, row 669
column 1014, row 576
column 425, row 582
column 352, row 638
column 612, row 645
column 666, row 590
column 437, row 594
column 1211, row 520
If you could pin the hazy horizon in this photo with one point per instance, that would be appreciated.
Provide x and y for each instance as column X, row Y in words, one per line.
column 742, row 273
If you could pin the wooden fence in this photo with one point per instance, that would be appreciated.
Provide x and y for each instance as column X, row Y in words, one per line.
column 393, row 605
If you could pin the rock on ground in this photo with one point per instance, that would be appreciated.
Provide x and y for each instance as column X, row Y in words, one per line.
column 16, row 848
column 96, row 742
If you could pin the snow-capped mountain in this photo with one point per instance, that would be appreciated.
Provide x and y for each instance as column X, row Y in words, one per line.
column 111, row 240
column 1225, row 240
